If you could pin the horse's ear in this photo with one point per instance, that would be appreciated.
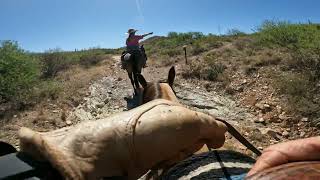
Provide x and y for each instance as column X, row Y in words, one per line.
column 142, row 81
column 171, row 76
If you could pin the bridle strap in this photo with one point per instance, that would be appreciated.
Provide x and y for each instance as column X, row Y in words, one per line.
column 239, row 137
column 223, row 168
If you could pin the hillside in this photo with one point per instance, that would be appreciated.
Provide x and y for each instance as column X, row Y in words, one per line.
column 274, row 72
column 265, row 83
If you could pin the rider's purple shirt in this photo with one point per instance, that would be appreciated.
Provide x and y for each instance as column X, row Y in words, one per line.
column 134, row 40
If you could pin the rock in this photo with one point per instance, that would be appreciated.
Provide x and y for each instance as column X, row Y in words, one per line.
column 273, row 141
column 100, row 105
column 271, row 118
column 302, row 134
column 282, row 116
column 285, row 134
column 265, row 87
column 304, row 119
column 100, row 111
column 116, row 107
column 15, row 116
column 266, row 106
column 270, row 132
column 259, row 120
column 198, row 87
column 263, row 106
column 260, row 148
column 68, row 122
column 279, row 109
column 55, row 111
column 244, row 82
column 119, row 79
column 240, row 89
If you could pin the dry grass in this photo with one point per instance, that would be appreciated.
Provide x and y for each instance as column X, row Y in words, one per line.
column 76, row 81
column 51, row 113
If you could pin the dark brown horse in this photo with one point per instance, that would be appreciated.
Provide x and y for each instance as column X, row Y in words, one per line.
column 133, row 62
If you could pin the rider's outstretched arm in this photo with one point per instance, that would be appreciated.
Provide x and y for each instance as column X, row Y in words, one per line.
column 147, row 34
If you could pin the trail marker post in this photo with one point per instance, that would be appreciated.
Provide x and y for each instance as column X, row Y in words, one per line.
column 185, row 53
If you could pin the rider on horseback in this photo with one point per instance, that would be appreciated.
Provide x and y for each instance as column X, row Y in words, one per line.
column 132, row 43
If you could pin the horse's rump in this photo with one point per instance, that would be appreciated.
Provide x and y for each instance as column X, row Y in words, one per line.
column 125, row 59
column 137, row 58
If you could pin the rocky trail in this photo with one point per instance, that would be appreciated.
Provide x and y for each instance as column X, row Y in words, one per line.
column 112, row 93
column 108, row 96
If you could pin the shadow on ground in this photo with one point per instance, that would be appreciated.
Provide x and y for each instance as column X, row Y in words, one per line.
column 133, row 101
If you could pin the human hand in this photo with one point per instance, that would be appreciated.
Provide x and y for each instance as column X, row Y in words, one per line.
column 128, row 144
column 297, row 150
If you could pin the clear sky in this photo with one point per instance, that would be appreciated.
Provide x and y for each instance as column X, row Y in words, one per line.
column 68, row 24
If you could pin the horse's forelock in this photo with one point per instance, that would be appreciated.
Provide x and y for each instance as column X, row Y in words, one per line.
column 158, row 90
column 151, row 92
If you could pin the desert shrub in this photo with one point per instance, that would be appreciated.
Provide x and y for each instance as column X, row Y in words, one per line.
column 171, row 52
column 267, row 61
column 54, row 61
column 193, row 70
column 301, row 40
column 209, row 41
column 212, row 56
column 46, row 89
column 90, row 59
column 197, row 48
column 214, row 70
column 248, row 70
column 206, row 71
column 292, row 84
column 243, row 43
column 299, row 92
column 18, row 72
column 280, row 33
column 235, row 32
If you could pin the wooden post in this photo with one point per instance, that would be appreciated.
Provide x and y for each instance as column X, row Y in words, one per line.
column 185, row 53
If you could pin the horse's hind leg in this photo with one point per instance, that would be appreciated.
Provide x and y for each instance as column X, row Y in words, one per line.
column 136, row 82
column 132, row 82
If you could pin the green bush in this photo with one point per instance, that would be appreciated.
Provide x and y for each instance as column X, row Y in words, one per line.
column 171, row 52
column 292, row 36
column 18, row 72
column 90, row 59
column 235, row 32
column 197, row 48
column 299, row 91
column 214, row 70
column 54, row 61
column 207, row 71
column 301, row 40
column 292, row 84
column 46, row 89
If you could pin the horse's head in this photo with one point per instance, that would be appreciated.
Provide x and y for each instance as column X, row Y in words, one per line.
column 158, row 90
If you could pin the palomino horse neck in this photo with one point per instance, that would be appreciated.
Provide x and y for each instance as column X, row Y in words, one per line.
column 164, row 90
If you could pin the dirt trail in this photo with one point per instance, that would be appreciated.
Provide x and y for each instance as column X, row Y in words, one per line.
column 107, row 96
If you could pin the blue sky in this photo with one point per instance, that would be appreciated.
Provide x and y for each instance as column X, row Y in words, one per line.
column 68, row 24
